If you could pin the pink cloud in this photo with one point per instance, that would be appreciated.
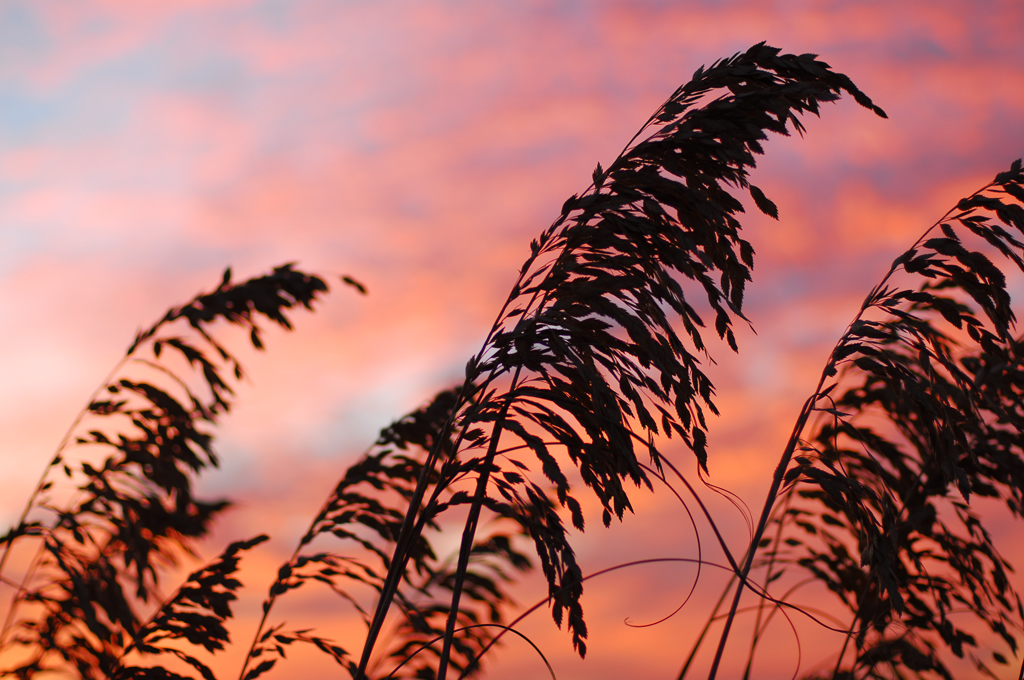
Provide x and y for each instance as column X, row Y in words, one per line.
column 419, row 148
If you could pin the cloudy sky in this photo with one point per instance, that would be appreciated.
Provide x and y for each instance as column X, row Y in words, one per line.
column 418, row 146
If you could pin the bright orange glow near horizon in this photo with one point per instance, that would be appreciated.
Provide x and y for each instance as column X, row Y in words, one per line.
column 418, row 147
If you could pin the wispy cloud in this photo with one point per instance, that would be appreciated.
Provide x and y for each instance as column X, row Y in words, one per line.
column 418, row 147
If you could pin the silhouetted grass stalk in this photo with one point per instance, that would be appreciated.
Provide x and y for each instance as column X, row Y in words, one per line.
column 795, row 440
column 596, row 354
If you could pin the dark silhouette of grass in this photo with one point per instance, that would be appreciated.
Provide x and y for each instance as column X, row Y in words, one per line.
column 596, row 354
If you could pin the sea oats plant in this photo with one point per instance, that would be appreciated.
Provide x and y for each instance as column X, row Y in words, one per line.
column 594, row 362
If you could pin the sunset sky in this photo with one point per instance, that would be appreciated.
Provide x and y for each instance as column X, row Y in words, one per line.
column 418, row 146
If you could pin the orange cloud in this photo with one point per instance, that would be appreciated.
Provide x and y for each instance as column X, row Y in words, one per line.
column 418, row 147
